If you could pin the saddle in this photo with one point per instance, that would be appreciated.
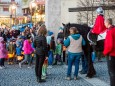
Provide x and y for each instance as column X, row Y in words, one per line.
column 94, row 38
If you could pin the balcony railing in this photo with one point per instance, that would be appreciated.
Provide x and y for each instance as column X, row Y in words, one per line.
column 7, row 3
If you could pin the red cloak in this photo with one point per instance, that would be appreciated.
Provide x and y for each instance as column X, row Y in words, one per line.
column 99, row 26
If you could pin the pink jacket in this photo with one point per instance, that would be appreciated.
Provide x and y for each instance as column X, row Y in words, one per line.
column 27, row 47
column 3, row 51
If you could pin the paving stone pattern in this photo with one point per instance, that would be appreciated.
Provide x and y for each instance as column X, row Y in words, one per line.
column 14, row 76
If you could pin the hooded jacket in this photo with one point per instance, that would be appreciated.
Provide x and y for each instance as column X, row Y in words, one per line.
column 3, row 51
column 74, row 43
column 109, row 43
column 27, row 47
column 40, row 45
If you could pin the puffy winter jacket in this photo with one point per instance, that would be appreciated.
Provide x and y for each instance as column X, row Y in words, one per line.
column 27, row 47
column 40, row 45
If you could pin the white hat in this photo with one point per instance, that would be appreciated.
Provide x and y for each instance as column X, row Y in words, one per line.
column 100, row 11
column 1, row 39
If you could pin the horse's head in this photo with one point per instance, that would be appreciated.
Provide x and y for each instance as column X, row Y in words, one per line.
column 66, row 29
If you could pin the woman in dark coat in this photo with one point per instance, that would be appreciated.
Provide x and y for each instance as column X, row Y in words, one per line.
column 41, row 52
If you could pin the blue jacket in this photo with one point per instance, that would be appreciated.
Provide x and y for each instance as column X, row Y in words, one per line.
column 18, row 51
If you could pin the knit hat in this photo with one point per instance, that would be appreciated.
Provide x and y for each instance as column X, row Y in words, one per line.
column 50, row 33
column 1, row 39
column 100, row 11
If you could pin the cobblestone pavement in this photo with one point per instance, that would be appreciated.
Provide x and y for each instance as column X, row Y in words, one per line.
column 14, row 76
column 102, row 71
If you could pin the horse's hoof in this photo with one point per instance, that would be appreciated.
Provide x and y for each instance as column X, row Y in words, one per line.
column 89, row 76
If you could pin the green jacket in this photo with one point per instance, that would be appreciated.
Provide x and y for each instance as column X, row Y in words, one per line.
column 58, row 49
column 11, row 49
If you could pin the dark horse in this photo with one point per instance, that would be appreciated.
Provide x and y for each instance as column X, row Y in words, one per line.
column 83, row 30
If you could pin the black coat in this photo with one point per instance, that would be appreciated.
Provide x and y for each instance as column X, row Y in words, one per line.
column 40, row 45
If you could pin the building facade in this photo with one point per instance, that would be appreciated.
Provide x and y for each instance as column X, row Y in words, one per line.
column 57, row 12
column 7, row 15
column 33, row 14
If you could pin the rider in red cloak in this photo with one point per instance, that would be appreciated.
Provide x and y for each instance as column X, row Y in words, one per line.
column 99, row 26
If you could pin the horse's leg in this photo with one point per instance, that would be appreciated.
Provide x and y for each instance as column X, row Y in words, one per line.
column 91, row 71
column 84, row 65
column 99, row 49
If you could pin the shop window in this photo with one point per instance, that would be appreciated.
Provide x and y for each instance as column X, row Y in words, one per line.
column 12, row 0
column 112, row 0
column 5, row 9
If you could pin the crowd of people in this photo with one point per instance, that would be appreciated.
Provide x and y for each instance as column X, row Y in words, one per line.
column 33, row 43
column 37, row 42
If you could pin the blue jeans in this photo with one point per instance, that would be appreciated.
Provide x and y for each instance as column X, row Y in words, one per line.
column 73, row 59
column 50, row 57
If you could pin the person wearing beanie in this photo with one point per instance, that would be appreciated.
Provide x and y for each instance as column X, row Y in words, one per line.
column 60, row 34
column 50, row 52
column 61, row 37
column 49, row 35
column 19, row 45
column 3, row 53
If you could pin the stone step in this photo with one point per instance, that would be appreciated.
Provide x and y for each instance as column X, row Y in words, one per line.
column 94, row 81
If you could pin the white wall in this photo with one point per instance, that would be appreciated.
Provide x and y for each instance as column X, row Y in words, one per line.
column 67, row 16
column 53, row 15
column 56, row 13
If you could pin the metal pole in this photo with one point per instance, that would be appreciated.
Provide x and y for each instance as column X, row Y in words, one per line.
column 92, row 10
column 10, row 21
column 15, row 16
column 31, row 15
column 35, row 16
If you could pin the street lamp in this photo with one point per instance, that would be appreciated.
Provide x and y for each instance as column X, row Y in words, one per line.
column 13, row 12
column 33, row 4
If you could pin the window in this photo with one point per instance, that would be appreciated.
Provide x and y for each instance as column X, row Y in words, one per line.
column 5, row 9
column 112, row 0
column 12, row 0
